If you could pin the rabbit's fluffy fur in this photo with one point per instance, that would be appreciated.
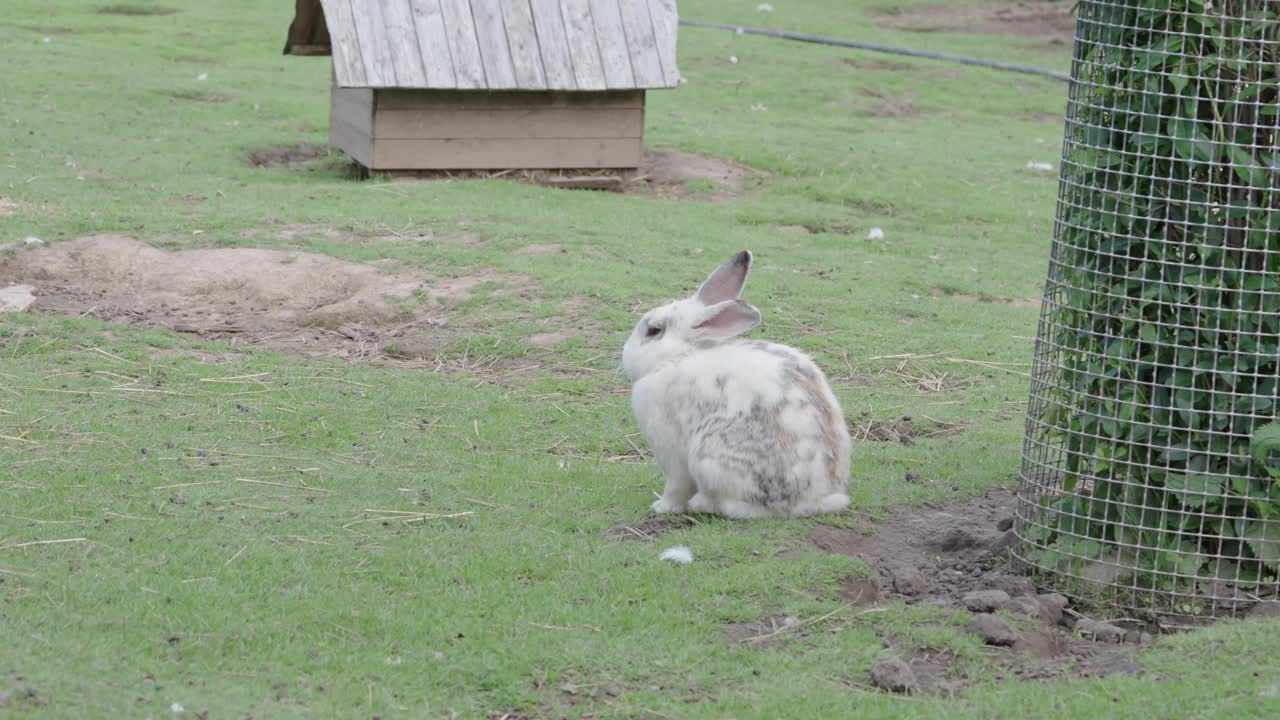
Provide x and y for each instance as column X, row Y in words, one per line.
column 742, row 428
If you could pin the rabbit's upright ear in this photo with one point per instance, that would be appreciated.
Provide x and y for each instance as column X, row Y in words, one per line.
column 727, row 281
column 727, row 319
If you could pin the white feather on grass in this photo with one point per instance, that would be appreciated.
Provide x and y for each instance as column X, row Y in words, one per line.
column 679, row 555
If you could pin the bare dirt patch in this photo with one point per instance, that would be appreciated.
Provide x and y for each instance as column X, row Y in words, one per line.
column 135, row 9
column 663, row 173
column 968, row 297
column 208, row 97
column 297, row 302
column 647, row 530
column 873, row 103
column 905, row 429
column 871, row 63
column 10, row 207
column 956, row 556
column 293, row 156
column 1044, row 117
column 540, row 249
column 1029, row 18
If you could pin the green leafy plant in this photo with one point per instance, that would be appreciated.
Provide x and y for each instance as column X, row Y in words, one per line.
column 1165, row 281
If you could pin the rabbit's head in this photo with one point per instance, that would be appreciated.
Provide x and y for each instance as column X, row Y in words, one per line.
column 712, row 315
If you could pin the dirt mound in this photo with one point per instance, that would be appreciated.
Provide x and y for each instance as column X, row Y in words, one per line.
column 1031, row 18
column 956, row 556
column 295, row 302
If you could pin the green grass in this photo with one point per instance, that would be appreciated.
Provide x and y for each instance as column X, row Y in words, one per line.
column 197, row 582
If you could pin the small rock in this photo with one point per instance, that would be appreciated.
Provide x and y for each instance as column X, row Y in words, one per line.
column 985, row 601
column 908, row 581
column 912, row 476
column 993, row 630
column 1051, row 607
column 1023, row 605
column 1264, row 610
column 1100, row 631
column 875, row 234
column 892, row 674
column 1004, row 524
column 177, row 708
column 16, row 298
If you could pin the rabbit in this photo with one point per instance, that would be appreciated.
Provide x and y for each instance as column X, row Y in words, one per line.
column 740, row 428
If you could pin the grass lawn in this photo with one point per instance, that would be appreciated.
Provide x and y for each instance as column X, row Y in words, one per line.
column 259, row 533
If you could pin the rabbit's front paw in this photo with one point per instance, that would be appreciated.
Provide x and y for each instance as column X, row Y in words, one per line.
column 663, row 505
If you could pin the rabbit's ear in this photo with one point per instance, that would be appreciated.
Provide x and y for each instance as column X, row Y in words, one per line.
column 727, row 281
column 727, row 319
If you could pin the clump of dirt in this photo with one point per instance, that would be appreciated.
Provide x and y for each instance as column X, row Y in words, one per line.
column 296, row 302
column 287, row 156
column 956, row 556
column 664, row 173
column 867, row 63
column 905, row 429
column 1029, row 18
column 135, row 10
column 968, row 297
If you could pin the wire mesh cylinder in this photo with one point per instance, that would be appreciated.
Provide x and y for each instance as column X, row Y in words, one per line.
column 1150, row 463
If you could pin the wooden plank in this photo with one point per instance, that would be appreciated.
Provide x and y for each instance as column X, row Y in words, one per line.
column 553, row 122
column 464, row 48
column 557, row 66
column 351, row 140
column 611, row 39
column 348, row 64
column 491, row 35
column 402, row 43
column 379, row 70
column 638, row 28
column 666, row 19
column 433, row 43
column 580, row 33
column 353, row 106
column 522, row 40
column 505, row 153
column 472, row 100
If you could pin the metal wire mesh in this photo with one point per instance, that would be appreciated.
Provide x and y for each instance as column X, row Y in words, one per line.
column 1148, row 475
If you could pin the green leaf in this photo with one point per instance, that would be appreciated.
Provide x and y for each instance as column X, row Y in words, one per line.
column 1265, row 441
column 1246, row 167
column 1193, row 490
column 1190, row 142
column 1264, row 541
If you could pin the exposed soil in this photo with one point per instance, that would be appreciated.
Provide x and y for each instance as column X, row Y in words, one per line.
column 1028, row 18
column 873, row 103
column 955, row 556
column 209, row 97
column 647, row 530
column 1044, row 117
column 9, row 207
column 663, row 173
column 540, row 249
column 905, row 429
column 292, row 157
column 297, row 302
column 135, row 9
column 871, row 63
column 1011, row 302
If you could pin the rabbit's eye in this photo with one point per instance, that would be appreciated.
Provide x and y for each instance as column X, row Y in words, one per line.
column 653, row 332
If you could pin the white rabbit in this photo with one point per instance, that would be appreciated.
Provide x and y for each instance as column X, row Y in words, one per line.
column 742, row 428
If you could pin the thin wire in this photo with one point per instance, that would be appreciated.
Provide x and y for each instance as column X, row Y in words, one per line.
column 801, row 37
